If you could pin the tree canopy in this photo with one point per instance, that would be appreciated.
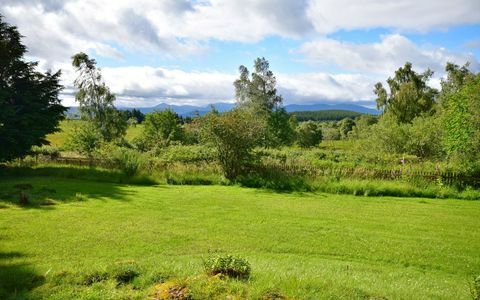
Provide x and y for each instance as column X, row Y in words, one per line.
column 408, row 96
column 96, row 100
column 29, row 104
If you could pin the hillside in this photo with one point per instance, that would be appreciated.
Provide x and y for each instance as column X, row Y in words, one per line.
column 325, row 115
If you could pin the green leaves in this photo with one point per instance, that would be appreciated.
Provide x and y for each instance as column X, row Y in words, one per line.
column 29, row 104
column 409, row 94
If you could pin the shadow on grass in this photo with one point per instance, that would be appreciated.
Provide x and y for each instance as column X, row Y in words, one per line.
column 77, row 172
column 46, row 187
column 17, row 279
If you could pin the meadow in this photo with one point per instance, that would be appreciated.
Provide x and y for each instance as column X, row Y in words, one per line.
column 299, row 245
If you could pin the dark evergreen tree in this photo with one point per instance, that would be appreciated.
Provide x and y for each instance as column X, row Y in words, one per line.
column 29, row 104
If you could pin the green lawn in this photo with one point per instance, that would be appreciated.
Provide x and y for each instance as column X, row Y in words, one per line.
column 307, row 246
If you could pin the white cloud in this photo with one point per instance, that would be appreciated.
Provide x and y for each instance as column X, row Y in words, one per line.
column 147, row 86
column 383, row 57
column 406, row 15
column 55, row 29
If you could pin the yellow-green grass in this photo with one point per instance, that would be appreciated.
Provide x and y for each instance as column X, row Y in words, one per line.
column 66, row 127
column 305, row 246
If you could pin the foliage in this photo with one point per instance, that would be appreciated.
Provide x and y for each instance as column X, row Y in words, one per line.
column 309, row 134
column 129, row 161
column 456, row 78
column 257, row 91
column 96, row 100
column 462, row 123
column 135, row 114
column 408, row 96
column 161, row 128
column 330, row 132
column 234, row 135
column 325, row 115
column 85, row 139
column 29, row 104
column 280, row 129
column 345, row 126
column 228, row 265
column 51, row 152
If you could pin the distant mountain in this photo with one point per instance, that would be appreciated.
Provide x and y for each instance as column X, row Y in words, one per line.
column 325, row 115
column 187, row 110
column 328, row 106
column 191, row 110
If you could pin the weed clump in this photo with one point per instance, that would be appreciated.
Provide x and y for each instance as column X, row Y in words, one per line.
column 125, row 272
column 171, row 290
column 229, row 266
column 94, row 277
column 273, row 295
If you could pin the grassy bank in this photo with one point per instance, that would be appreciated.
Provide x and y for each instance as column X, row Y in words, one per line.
column 301, row 245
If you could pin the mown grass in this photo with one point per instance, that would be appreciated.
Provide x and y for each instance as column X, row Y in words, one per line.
column 300, row 245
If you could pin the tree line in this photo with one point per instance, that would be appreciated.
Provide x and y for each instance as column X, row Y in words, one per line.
column 416, row 119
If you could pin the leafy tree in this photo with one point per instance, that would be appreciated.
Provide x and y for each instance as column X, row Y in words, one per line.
column 462, row 122
column 29, row 104
column 456, row 78
column 96, row 100
column 132, row 122
column 161, row 128
column 346, row 125
column 134, row 113
column 309, row 134
column 257, row 91
column 280, row 128
column 409, row 94
column 233, row 134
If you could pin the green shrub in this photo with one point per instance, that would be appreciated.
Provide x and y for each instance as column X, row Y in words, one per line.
column 228, row 266
column 128, row 161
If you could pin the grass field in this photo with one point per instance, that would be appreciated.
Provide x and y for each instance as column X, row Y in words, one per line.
column 59, row 138
column 306, row 246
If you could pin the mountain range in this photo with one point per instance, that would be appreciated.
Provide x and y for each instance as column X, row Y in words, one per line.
column 192, row 110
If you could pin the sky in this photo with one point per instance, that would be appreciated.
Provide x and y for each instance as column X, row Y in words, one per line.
column 188, row 52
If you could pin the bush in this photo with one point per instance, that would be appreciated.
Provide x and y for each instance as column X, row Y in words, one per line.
column 233, row 135
column 228, row 266
column 309, row 134
column 128, row 161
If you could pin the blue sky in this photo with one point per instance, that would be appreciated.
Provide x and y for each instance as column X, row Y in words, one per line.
column 188, row 52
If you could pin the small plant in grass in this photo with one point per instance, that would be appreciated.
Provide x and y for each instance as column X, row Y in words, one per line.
column 125, row 272
column 273, row 295
column 80, row 197
column 228, row 265
column 94, row 277
column 475, row 289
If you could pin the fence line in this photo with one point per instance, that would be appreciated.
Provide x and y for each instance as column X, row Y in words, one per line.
column 446, row 177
